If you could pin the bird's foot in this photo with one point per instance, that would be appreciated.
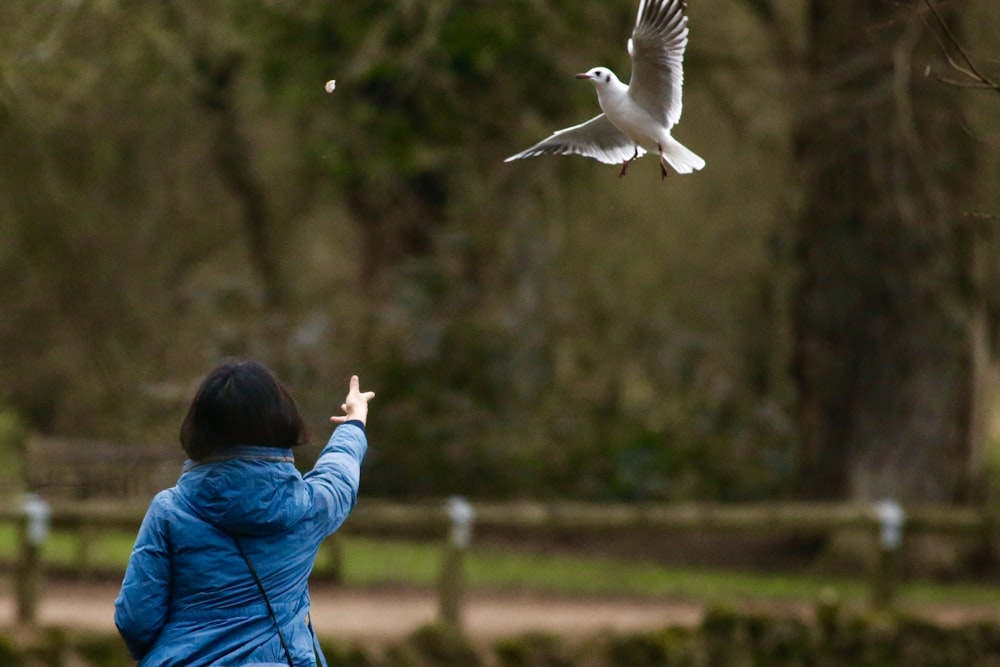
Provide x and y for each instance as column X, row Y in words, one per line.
column 626, row 163
column 663, row 168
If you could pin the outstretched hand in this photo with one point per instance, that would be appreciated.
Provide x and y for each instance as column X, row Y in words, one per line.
column 355, row 406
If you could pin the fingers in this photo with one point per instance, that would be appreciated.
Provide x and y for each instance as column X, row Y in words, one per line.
column 355, row 399
column 355, row 390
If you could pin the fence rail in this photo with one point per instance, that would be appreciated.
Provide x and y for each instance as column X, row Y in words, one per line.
column 372, row 516
column 437, row 519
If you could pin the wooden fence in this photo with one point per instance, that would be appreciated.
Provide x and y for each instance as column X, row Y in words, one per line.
column 451, row 522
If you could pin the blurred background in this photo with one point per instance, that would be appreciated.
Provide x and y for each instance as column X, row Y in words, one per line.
column 811, row 317
column 678, row 396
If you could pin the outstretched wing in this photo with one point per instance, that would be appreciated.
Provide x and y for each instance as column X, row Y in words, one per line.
column 657, row 51
column 597, row 138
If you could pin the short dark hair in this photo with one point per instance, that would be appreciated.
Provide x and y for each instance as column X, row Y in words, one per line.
column 241, row 403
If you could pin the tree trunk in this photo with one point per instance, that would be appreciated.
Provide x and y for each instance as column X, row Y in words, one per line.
column 233, row 155
column 887, row 298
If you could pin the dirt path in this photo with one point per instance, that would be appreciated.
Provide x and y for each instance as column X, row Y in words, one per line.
column 380, row 616
column 377, row 617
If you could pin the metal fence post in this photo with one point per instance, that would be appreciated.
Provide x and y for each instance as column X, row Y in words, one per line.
column 891, row 518
column 34, row 530
column 451, row 582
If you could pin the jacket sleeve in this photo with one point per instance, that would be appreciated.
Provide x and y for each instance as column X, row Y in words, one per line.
column 335, row 478
column 144, row 599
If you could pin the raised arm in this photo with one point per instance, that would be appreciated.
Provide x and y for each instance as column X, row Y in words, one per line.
column 337, row 474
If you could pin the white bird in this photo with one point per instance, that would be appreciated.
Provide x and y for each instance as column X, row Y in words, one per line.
column 638, row 117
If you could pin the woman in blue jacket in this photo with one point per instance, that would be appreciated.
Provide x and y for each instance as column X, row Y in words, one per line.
column 219, row 571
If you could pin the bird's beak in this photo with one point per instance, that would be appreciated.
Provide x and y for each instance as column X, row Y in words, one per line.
column 583, row 76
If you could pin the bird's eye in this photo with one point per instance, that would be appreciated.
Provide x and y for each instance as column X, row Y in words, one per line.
column 607, row 78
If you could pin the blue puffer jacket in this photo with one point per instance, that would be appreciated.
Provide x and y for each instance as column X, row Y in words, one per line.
column 188, row 597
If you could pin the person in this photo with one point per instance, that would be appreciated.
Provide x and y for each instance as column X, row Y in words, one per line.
column 219, row 571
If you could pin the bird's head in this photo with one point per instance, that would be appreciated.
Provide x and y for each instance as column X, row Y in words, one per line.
column 599, row 76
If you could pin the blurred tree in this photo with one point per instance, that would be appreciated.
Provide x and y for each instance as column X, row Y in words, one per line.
column 201, row 41
column 414, row 138
column 81, row 244
column 176, row 187
column 888, row 306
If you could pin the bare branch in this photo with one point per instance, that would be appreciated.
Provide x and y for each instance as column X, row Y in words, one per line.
column 969, row 69
column 960, row 84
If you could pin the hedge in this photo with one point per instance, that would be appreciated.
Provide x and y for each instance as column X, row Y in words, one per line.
column 725, row 638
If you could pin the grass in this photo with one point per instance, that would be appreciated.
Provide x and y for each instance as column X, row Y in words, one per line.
column 369, row 562
column 386, row 562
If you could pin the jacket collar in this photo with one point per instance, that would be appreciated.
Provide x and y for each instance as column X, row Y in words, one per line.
column 246, row 453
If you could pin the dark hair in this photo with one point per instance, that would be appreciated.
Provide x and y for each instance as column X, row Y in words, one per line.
column 241, row 403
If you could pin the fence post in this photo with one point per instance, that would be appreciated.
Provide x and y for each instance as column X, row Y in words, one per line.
column 891, row 518
column 86, row 535
column 333, row 549
column 451, row 582
column 34, row 530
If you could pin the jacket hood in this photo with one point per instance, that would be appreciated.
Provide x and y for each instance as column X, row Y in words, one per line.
column 246, row 491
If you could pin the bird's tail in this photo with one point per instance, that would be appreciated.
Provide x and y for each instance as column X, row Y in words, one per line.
column 680, row 157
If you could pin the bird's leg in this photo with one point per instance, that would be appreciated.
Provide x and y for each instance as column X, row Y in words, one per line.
column 663, row 170
column 627, row 162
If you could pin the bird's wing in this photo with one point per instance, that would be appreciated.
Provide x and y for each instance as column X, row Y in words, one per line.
column 597, row 138
column 657, row 51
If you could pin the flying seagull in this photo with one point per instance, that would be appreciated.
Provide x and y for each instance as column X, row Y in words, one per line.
column 638, row 117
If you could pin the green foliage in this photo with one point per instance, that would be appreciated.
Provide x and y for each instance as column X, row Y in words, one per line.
column 533, row 650
column 731, row 639
column 55, row 648
column 346, row 656
column 638, row 650
column 9, row 655
column 479, row 298
column 102, row 652
column 539, row 328
column 435, row 646
column 724, row 639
